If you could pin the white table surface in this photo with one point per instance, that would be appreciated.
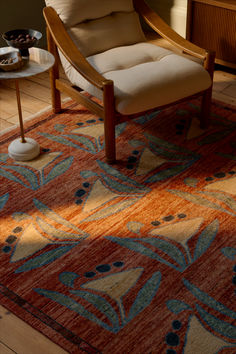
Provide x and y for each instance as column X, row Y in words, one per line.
column 39, row 61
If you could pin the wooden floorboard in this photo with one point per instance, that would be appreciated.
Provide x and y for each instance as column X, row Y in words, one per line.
column 16, row 336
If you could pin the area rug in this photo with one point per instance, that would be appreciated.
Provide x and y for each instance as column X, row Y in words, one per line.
column 137, row 257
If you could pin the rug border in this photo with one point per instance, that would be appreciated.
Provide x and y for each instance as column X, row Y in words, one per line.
column 44, row 319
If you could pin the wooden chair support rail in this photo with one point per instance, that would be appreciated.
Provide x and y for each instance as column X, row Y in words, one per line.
column 165, row 31
column 69, row 49
column 74, row 93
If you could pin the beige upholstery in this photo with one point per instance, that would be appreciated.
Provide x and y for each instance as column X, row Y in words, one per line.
column 101, row 25
column 103, row 40
column 72, row 12
column 110, row 36
column 92, row 37
column 145, row 76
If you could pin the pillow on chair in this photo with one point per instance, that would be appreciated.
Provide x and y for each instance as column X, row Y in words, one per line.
column 102, row 25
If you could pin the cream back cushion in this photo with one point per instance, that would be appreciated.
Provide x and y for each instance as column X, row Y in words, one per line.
column 99, row 25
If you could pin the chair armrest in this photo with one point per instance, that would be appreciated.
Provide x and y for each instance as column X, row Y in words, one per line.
column 165, row 31
column 68, row 48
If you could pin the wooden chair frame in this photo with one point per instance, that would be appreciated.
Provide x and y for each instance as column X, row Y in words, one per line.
column 58, row 38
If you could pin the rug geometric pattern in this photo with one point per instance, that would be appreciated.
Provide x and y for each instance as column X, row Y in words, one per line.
column 135, row 257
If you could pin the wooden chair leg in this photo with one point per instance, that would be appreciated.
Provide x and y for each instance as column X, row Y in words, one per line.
column 54, row 75
column 206, row 109
column 206, row 99
column 109, row 121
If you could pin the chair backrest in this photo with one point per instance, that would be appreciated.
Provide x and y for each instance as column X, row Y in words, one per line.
column 99, row 25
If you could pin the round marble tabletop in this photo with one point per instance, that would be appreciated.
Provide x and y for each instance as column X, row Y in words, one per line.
column 39, row 61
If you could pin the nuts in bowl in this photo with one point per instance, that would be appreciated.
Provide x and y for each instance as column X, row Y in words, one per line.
column 22, row 39
column 11, row 61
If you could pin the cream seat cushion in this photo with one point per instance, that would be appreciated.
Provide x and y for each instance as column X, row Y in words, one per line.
column 145, row 76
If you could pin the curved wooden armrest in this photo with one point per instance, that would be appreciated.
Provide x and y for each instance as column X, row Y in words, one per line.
column 68, row 48
column 165, row 31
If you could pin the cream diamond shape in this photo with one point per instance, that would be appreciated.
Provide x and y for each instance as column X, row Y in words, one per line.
column 41, row 161
column 98, row 196
column 148, row 161
column 30, row 242
column 194, row 130
column 200, row 341
column 180, row 231
column 228, row 186
column 95, row 130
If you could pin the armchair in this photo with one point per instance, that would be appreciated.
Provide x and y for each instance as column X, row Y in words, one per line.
column 104, row 52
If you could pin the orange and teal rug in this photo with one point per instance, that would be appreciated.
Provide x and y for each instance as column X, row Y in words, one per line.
column 137, row 257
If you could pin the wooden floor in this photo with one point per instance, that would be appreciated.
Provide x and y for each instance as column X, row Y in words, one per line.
column 15, row 335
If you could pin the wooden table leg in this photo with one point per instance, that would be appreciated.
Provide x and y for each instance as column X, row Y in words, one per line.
column 20, row 112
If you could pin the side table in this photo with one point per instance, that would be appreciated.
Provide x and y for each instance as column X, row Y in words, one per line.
column 211, row 24
column 40, row 60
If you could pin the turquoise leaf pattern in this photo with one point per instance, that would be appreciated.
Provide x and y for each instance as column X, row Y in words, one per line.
column 229, row 252
column 101, row 304
column 216, row 324
column 197, row 199
column 44, row 259
column 59, row 127
column 3, row 157
column 87, row 174
column 208, row 300
column 34, row 180
column 11, row 177
column 72, row 305
column 170, row 155
column 191, row 182
column 169, row 249
column 136, row 246
column 19, row 216
column 146, row 118
column 56, row 217
column 59, row 169
column 57, row 233
column 110, row 210
column 213, row 138
column 169, row 172
column 145, row 295
column 115, row 173
column 165, row 145
column 177, row 306
column 120, row 128
column 60, row 140
column 206, row 238
column 84, row 141
column 227, row 199
column 68, row 278
column 3, row 200
column 136, row 143
column 120, row 187
column 27, row 174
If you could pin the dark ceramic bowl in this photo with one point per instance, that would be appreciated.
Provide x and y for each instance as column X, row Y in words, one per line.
column 22, row 39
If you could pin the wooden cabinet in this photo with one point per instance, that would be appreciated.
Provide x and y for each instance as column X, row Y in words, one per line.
column 211, row 24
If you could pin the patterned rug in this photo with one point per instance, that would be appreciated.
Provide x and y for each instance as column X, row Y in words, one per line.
column 137, row 257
